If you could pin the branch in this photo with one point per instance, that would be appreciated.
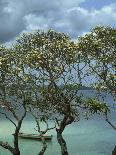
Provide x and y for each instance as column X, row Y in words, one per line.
column 41, row 134
column 47, row 129
column 6, row 146
column 57, row 122
column 107, row 83
column 24, row 106
column 8, row 118
column 20, row 121
column 11, row 110
column 44, row 146
column 109, row 122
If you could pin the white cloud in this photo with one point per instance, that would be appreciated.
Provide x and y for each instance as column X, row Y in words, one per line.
column 74, row 19
column 62, row 15
column 35, row 22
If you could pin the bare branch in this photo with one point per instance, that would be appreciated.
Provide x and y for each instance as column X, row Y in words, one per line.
column 6, row 146
column 109, row 122
column 8, row 118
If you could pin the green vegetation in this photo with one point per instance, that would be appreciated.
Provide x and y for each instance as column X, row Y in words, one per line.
column 43, row 72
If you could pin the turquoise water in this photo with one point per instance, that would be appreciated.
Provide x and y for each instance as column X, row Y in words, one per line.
column 92, row 137
column 87, row 137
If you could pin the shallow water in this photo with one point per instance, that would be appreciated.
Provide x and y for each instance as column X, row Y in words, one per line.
column 87, row 137
column 92, row 137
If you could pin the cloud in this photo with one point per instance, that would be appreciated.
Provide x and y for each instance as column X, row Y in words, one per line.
column 62, row 15
column 73, row 20
column 11, row 21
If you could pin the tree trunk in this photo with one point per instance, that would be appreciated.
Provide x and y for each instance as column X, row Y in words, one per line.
column 62, row 143
column 16, row 142
column 16, row 151
column 16, row 145
column 44, row 147
column 68, row 119
column 114, row 151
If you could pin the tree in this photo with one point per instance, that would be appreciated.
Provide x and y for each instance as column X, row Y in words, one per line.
column 48, row 54
column 13, row 94
column 54, row 64
column 99, row 51
column 44, row 71
column 44, row 118
column 17, row 91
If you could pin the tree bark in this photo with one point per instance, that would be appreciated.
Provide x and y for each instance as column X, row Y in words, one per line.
column 7, row 146
column 114, row 151
column 44, row 147
column 62, row 143
column 68, row 119
column 16, row 145
column 16, row 151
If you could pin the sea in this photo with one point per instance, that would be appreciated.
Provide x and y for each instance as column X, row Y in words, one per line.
column 86, row 137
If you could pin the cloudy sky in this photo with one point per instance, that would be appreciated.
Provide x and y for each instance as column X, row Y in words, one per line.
column 75, row 17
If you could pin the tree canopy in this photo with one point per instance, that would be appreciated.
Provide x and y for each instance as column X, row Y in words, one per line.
column 44, row 72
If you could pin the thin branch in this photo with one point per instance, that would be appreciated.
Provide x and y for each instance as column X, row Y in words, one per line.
column 11, row 110
column 109, row 122
column 47, row 129
column 8, row 118
column 6, row 146
column 57, row 122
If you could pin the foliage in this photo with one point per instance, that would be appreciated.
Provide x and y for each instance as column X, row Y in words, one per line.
column 12, row 95
column 99, row 51
column 99, row 48
column 96, row 107
column 44, row 71
column 49, row 58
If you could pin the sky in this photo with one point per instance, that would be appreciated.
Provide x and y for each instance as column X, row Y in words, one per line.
column 75, row 17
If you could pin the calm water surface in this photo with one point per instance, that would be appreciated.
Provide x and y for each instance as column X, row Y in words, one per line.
column 92, row 137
